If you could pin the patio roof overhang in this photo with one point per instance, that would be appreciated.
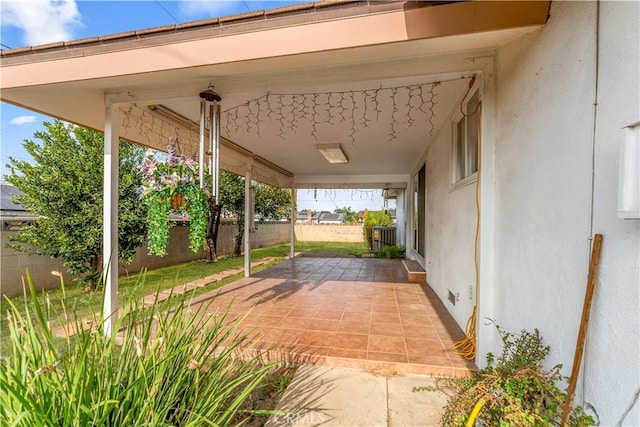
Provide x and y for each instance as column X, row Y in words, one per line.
column 376, row 77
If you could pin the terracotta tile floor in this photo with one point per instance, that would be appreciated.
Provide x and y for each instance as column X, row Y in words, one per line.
column 350, row 312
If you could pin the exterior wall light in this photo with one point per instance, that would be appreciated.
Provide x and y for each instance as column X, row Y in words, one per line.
column 333, row 153
column 629, row 174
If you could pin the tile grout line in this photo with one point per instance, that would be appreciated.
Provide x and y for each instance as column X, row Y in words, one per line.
column 404, row 337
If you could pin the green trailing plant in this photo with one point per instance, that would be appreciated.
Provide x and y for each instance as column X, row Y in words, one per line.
column 516, row 388
column 172, row 186
column 165, row 367
column 196, row 200
column 391, row 252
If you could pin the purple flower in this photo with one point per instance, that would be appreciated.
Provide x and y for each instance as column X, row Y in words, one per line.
column 149, row 167
column 191, row 164
column 171, row 149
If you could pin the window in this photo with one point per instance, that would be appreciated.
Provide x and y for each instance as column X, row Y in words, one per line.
column 419, row 209
column 464, row 143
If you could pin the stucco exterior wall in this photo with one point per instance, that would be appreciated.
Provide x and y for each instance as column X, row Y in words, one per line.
column 543, row 184
column 450, row 229
column 614, row 338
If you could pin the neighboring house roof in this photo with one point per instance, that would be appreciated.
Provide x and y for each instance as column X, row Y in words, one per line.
column 7, row 206
column 331, row 217
column 7, row 192
column 14, row 216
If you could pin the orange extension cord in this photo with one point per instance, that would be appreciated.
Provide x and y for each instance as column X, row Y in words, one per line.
column 467, row 347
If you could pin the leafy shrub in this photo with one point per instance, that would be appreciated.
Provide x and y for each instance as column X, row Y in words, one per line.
column 391, row 252
column 516, row 389
column 375, row 219
column 164, row 367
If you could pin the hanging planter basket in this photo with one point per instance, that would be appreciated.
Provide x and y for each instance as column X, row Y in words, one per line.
column 178, row 202
column 191, row 200
column 168, row 186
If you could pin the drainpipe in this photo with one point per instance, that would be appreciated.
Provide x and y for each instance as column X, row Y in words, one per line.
column 593, row 176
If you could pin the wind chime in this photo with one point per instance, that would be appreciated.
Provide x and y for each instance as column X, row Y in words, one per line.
column 210, row 114
column 385, row 195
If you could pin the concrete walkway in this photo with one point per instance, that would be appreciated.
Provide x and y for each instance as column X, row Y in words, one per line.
column 346, row 397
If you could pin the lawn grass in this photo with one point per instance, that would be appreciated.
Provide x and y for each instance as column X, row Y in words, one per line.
column 137, row 285
column 352, row 249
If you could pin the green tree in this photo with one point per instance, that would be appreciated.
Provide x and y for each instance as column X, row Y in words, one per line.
column 64, row 188
column 350, row 217
column 270, row 202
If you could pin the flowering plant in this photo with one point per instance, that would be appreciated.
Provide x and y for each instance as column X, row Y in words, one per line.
column 162, row 183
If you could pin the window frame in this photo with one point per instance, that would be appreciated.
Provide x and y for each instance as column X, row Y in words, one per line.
column 456, row 158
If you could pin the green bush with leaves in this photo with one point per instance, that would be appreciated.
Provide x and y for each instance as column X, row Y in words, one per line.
column 63, row 187
column 391, row 252
column 375, row 219
column 165, row 367
column 516, row 388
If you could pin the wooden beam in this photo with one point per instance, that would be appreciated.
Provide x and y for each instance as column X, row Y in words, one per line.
column 584, row 323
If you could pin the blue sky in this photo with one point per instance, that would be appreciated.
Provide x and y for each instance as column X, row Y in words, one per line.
column 33, row 22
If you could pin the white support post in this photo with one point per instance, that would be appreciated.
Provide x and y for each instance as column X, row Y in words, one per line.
column 216, row 141
column 294, row 214
column 487, row 339
column 247, row 222
column 110, row 217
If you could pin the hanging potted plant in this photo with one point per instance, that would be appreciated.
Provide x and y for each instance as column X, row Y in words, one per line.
column 172, row 186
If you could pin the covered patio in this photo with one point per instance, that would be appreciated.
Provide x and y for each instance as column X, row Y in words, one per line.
column 347, row 312
column 343, row 94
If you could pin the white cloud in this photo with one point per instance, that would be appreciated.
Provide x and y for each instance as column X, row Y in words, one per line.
column 42, row 21
column 22, row 120
column 210, row 8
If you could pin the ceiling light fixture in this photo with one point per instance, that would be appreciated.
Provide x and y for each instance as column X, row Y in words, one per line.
column 333, row 153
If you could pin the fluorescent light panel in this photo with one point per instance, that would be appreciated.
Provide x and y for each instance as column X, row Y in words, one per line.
column 333, row 153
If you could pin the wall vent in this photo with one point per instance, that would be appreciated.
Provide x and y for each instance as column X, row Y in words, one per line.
column 452, row 297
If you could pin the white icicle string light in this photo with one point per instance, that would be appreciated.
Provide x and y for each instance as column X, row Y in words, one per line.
column 152, row 127
column 354, row 107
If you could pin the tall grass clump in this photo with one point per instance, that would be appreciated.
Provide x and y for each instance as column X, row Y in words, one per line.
column 165, row 367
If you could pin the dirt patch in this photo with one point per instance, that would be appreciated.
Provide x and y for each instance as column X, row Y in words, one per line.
column 267, row 395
